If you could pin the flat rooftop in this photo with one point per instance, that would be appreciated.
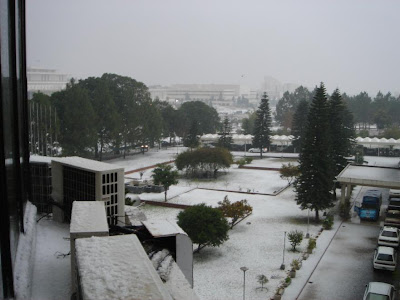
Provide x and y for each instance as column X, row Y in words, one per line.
column 117, row 267
column 370, row 176
column 87, row 164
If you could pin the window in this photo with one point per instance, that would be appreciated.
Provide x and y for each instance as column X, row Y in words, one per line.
column 14, row 150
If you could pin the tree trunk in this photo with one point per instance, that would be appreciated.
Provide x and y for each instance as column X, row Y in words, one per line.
column 165, row 194
column 317, row 215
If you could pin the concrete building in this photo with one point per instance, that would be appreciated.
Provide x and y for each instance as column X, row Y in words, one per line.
column 212, row 94
column 46, row 81
column 81, row 179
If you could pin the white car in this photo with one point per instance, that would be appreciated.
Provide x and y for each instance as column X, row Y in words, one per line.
column 379, row 291
column 257, row 150
column 385, row 258
column 389, row 236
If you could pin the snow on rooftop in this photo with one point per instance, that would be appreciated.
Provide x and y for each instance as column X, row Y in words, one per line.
column 87, row 164
column 88, row 216
column 162, row 228
column 370, row 173
column 117, row 267
column 135, row 215
column 40, row 159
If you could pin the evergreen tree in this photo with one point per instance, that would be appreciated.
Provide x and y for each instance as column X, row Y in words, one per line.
column 341, row 132
column 315, row 181
column 165, row 176
column 225, row 140
column 192, row 139
column 299, row 124
column 262, row 125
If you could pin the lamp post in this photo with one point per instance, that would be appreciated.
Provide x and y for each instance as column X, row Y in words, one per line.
column 284, row 246
column 308, row 220
column 244, row 269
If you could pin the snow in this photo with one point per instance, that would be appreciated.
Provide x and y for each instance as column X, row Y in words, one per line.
column 88, row 216
column 256, row 242
column 162, row 228
column 51, row 270
column 86, row 164
column 135, row 215
column 40, row 159
column 25, row 254
column 173, row 278
column 117, row 267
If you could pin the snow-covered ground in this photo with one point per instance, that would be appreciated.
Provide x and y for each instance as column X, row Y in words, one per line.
column 257, row 242
column 52, row 270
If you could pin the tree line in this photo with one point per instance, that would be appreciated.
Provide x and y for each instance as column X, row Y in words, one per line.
column 114, row 113
column 382, row 110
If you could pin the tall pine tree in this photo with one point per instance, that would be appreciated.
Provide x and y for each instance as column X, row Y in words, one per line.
column 225, row 136
column 314, row 184
column 262, row 125
column 341, row 131
column 299, row 124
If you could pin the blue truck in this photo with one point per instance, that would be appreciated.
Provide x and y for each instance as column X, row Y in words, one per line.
column 370, row 205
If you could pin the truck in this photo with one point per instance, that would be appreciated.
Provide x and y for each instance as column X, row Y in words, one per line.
column 370, row 206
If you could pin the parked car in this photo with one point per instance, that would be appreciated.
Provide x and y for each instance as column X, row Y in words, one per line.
column 389, row 236
column 257, row 150
column 379, row 291
column 385, row 258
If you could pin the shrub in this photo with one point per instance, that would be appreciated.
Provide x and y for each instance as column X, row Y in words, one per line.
column 295, row 264
column 204, row 225
column 262, row 279
column 344, row 210
column 295, row 237
column 237, row 211
column 248, row 160
column 241, row 162
column 288, row 280
column 204, row 162
column 289, row 172
column 312, row 243
column 328, row 222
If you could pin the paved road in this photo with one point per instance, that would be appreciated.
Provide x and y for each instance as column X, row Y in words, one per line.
column 346, row 267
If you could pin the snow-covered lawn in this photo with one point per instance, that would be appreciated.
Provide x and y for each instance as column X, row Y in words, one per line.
column 256, row 242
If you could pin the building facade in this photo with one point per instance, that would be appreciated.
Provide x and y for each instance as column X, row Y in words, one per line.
column 81, row 179
column 46, row 81
column 212, row 94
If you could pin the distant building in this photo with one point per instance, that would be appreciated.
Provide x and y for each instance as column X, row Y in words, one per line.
column 46, row 81
column 212, row 94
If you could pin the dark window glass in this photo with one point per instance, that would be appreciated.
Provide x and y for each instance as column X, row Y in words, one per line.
column 108, row 178
column 116, row 178
column 112, row 177
column 104, row 179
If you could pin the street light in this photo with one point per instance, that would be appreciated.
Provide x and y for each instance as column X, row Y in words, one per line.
column 308, row 220
column 244, row 269
column 284, row 246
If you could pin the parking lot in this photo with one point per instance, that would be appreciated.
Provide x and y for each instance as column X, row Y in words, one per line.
column 347, row 265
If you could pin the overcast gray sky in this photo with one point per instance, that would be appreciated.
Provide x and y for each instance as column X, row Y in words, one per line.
column 353, row 45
